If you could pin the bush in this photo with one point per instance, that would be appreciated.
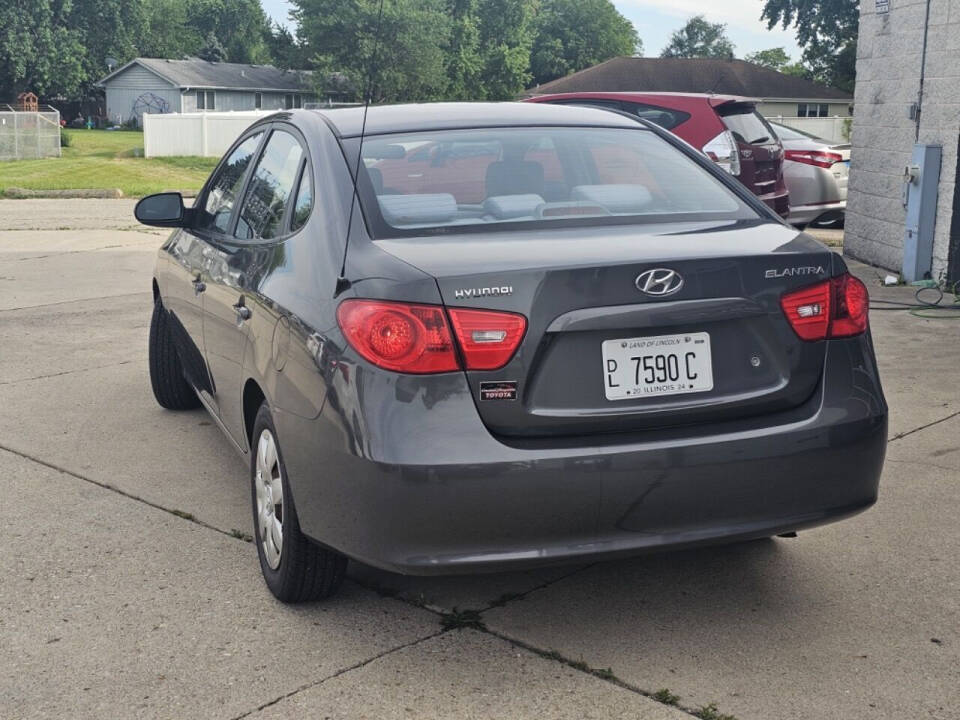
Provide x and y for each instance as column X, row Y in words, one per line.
column 64, row 138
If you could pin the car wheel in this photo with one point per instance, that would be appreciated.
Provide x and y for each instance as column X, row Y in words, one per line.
column 170, row 388
column 294, row 568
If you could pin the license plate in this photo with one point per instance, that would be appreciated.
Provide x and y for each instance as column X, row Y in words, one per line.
column 660, row 365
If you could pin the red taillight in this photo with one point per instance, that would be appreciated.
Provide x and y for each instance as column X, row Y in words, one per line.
column 851, row 308
column 399, row 336
column 417, row 338
column 834, row 308
column 488, row 338
column 813, row 157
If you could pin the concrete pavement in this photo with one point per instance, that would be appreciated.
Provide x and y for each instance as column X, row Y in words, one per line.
column 125, row 592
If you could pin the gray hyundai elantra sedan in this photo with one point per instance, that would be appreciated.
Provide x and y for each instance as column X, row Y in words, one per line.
column 538, row 334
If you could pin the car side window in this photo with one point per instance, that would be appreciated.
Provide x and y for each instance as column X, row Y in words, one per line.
column 265, row 204
column 666, row 118
column 223, row 190
column 304, row 202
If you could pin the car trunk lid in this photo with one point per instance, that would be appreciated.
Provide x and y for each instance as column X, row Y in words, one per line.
column 581, row 298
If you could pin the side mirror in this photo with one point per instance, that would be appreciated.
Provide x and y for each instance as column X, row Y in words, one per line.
column 162, row 210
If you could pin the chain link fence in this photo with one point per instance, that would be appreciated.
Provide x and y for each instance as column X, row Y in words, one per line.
column 29, row 135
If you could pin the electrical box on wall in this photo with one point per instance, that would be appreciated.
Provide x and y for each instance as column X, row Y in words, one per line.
column 921, row 181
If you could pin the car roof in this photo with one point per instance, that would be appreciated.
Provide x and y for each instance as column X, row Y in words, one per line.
column 384, row 119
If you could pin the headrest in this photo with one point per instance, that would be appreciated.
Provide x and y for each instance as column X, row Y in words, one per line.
column 615, row 198
column 505, row 207
column 432, row 209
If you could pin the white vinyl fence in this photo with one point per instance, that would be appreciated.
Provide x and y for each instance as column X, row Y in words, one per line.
column 833, row 129
column 208, row 134
column 29, row 135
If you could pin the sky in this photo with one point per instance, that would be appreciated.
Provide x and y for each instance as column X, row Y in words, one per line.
column 655, row 20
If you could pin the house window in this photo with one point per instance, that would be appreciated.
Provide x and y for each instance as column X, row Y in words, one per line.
column 813, row 110
column 291, row 101
column 258, row 100
column 206, row 100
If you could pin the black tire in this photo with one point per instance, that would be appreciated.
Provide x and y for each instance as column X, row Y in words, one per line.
column 170, row 388
column 306, row 570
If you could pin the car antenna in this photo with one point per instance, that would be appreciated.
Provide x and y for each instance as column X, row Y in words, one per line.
column 342, row 282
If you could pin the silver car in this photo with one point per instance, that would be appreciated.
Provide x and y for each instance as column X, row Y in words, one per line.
column 816, row 173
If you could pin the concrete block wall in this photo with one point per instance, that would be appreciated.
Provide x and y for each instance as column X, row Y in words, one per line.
column 889, row 59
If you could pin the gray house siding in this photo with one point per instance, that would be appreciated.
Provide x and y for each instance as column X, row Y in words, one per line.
column 227, row 100
column 127, row 85
column 123, row 91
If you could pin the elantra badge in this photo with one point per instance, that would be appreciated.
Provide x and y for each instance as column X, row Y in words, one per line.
column 659, row 282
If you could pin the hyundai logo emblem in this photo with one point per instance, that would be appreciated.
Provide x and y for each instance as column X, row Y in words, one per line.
column 659, row 282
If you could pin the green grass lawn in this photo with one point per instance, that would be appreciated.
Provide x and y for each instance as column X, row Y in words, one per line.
column 107, row 159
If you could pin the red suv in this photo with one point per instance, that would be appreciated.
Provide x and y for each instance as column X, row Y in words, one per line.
column 728, row 129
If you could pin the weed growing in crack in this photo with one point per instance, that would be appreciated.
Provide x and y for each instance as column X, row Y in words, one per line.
column 240, row 535
column 458, row 619
column 710, row 712
column 666, row 697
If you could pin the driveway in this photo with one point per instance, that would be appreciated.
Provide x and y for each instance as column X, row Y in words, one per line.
column 129, row 588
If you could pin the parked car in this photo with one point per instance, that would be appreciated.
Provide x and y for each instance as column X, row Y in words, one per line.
column 617, row 348
column 816, row 172
column 727, row 128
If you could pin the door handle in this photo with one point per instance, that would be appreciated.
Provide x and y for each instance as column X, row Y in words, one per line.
column 243, row 312
column 198, row 285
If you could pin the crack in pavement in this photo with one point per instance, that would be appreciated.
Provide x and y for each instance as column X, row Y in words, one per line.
column 113, row 488
column 542, row 586
column 593, row 672
column 230, row 534
column 338, row 673
column 65, row 372
column 904, row 434
column 74, row 301
column 924, row 464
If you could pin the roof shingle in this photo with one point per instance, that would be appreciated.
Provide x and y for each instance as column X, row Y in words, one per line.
column 194, row 72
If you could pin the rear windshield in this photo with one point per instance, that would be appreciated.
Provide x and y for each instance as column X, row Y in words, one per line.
column 504, row 178
column 747, row 125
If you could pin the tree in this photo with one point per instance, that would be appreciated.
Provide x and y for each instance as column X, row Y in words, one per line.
column 109, row 28
column 285, row 52
column 797, row 69
column 38, row 51
column 506, row 33
column 464, row 61
column 575, row 34
column 240, row 26
column 699, row 39
column 774, row 58
column 339, row 38
column 827, row 31
column 166, row 31
column 212, row 50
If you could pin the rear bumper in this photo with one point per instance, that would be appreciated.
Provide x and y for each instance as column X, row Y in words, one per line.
column 452, row 498
column 779, row 202
column 805, row 214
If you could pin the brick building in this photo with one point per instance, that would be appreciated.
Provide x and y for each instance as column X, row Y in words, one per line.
column 908, row 91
